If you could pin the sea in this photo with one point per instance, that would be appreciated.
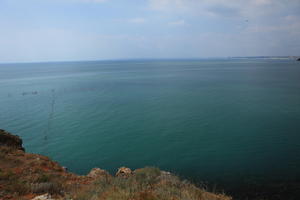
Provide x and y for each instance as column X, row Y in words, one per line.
column 221, row 123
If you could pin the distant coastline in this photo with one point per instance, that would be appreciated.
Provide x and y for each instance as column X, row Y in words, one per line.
column 268, row 57
column 159, row 59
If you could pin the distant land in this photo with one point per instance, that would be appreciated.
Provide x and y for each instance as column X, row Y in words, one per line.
column 162, row 59
column 268, row 57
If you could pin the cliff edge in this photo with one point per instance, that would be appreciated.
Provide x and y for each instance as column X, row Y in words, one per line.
column 26, row 176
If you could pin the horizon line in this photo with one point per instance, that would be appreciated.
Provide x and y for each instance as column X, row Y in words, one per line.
column 147, row 59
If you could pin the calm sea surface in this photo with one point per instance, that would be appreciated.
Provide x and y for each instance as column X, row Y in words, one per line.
column 223, row 121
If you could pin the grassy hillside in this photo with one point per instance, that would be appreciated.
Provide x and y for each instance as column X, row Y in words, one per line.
column 25, row 176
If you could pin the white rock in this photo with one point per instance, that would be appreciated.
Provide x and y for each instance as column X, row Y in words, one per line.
column 43, row 197
column 97, row 172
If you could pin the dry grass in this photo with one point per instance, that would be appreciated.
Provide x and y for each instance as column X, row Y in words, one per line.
column 146, row 184
column 24, row 175
column 13, row 184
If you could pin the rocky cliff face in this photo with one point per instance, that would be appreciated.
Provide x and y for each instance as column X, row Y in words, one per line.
column 9, row 140
column 28, row 176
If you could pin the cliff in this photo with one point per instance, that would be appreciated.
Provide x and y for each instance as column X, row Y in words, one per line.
column 31, row 176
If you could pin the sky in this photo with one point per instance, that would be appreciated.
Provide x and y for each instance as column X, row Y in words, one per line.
column 61, row 30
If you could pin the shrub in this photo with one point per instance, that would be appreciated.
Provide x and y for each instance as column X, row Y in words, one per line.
column 146, row 195
column 2, row 155
column 147, row 175
column 19, row 187
column 43, row 178
column 7, row 175
column 49, row 187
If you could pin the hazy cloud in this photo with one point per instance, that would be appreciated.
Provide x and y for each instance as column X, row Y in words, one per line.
column 138, row 20
column 93, row 1
column 177, row 23
column 54, row 30
column 213, row 8
column 89, row 1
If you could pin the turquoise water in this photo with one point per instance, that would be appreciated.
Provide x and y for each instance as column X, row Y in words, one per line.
column 223, row 121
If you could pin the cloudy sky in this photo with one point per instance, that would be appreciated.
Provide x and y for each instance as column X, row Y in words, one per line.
column 54, row 30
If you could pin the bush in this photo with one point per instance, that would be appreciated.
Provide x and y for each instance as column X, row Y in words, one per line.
column 147, row 175
column 49, row 187
column 7, row 175
column 43, row 178
column 145, row 184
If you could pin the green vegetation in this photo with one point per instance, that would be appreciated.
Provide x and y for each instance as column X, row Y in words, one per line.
column 14, row 184
column 24, row 176
column 145, row 184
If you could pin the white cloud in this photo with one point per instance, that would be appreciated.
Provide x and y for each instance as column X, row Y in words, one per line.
column 262, row 2
column 177, row 23
column 167, row 4
column 91, row 1
column 137, row 20
column 215, row 8
column 292, row 18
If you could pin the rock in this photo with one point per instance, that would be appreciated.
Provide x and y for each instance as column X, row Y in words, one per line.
column 124, row 172
column 165, row 172
column 97, row 172
column 43, row 197
column 165, row 177
column 65, row 169
column 7, row 139
column 298, row 59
